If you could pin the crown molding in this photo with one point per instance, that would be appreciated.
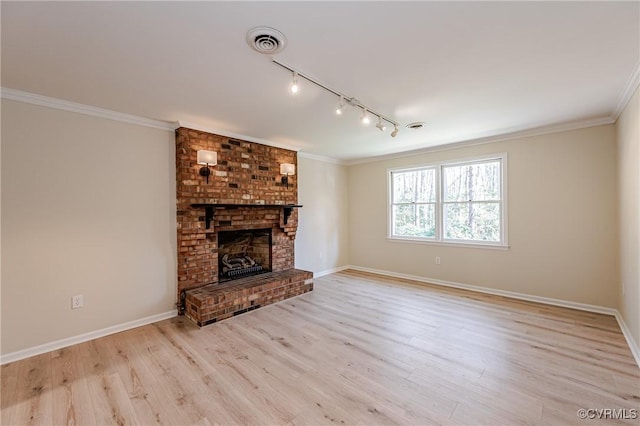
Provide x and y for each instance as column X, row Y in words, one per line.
column 45, row 101
column 31, row 98
column 629, row 89
column 221, row 132
column 500, row 137
column 321, row 158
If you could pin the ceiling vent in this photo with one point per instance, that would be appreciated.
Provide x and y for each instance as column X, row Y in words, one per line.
column 417, row 125
column 265, row 40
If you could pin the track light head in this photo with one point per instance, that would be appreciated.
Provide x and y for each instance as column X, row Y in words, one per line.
column 395, row 131
column 380, row 125
column 294, row 88
column 365, row 118
column 341, row 105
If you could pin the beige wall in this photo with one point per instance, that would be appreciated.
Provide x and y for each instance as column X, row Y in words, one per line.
column 628, row 132
column 96, row 216
column 322, row 239
column 1, row 325
column 562, row 204
column 88, row 208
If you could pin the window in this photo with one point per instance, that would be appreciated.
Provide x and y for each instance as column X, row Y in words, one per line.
column 453, row 202
column 414, row 203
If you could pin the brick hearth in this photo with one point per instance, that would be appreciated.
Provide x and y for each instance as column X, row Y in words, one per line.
column 247, row 173
column 211, row 303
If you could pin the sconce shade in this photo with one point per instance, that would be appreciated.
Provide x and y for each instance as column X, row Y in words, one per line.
column 287, row 169
column 207, row 157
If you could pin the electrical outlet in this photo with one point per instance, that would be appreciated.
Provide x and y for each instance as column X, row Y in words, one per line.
column 77, row 302
column 437, row 260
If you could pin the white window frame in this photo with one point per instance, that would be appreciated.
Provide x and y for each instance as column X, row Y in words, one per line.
column 439, row 238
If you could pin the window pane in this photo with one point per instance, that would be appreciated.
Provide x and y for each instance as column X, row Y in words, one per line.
column 418, row 186
column 472, row 221
column 414, row 220
column 472, row 182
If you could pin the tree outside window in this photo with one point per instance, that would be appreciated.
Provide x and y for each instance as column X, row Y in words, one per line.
column 449, row 202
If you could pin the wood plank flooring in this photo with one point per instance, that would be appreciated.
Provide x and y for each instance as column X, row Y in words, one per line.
column 359, row 350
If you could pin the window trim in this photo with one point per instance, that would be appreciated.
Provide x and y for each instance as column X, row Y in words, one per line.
column 439, row 237
column 435, row 202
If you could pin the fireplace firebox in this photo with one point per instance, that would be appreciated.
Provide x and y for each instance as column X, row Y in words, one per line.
column 243, row 253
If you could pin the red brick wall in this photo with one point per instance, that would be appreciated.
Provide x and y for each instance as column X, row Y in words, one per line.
column 246, row 173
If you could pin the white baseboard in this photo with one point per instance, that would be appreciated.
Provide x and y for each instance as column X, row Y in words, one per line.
column 330, row 271
column 633, row 346
column 505, row 293
column 58, row 344
column 63, row 343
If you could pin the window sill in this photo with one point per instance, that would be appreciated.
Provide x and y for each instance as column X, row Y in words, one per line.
column 465, row 244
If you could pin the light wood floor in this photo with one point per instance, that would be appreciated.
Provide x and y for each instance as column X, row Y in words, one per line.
column 360, row 349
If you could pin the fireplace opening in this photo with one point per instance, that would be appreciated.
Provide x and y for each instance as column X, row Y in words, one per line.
column 243, row 253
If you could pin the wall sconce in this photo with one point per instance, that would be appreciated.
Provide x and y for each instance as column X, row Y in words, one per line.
column 287, row 169
column 208, row 158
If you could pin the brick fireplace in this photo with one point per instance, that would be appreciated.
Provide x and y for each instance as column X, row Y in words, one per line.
column 245, row 213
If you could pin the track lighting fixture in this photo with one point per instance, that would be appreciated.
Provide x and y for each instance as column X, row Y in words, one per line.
column 294, row 84
column 395, row 131
column 344, row 100
column 340, row 106
column 365, row 118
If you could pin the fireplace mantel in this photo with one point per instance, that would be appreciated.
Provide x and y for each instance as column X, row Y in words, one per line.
column 210, row 208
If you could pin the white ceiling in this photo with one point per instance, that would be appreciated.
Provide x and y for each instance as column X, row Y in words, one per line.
column 468, row 69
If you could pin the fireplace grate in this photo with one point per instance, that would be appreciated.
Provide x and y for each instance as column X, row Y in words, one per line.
column 244, row 271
